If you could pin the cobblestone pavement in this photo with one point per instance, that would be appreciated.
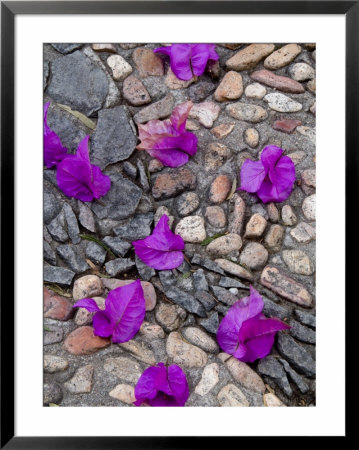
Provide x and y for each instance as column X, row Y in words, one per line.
column 256, row 95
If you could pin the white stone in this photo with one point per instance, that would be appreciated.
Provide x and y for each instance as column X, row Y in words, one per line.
column 231, row 395
column 120, row 67
column 210, row 377
column 288, row 216
column 301, row 72
column 54, row 364
column 308, row 132
column 255, row 90
column 191, row 229
column 271, row 400
column 282, row 103
column 298, row 262
column 124, row 392
column 206, row 113
column 81, row 382
column 308, row 207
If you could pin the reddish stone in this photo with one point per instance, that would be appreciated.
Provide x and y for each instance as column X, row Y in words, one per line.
column 279, row 82
column 286, row 125
column 147, row 62
column 135, row 92
column 56, row 307
column 220, row 189
column 148, row 290
column 82, row 341
column 172, row 183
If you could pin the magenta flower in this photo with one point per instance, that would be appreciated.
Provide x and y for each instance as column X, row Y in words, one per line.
column 78, row 178
column 162, row 250
column 272, row 178
column 189, row 59
column 161, row 386
column 245, row 332
column 123, row 314
column 168, row 140
column 54, row 151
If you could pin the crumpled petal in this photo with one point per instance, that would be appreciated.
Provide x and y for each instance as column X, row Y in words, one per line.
column 123, row 314
column 252, row 175
column 275, row 182
column 78, row 178
column 159, row 386
column 168, row 140
column 245, row 332
column 162, row 250
column 187, row 60
column 54, row 151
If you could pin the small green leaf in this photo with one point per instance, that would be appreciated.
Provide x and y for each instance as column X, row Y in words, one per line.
column 186, row 275
column 46, row 328
column 233, row 189
column 85, row 120
column 89, row 237
column 53, row 404
column 208, row 240
column 148, row 173
column 58, row 290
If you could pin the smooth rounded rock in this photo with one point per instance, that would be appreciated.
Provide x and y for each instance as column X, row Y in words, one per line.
column 231, row 395
column 225, row 244
column 282, row 103
column 210, row 377
column 298, row 262
column 282, row 57
column 201, row 339
column 119, row 66
column 82, row 341
column 230, row 88
column 86, row 287
column 308, row 207
column 123, row 392
column 288, row 216
column 220, row 188
column 191, row 229
column 255, row 90
column 251, row 137
column 184, row 354
column 301, row 71
column 254, row 256
column 215, row 216
column 255, row 226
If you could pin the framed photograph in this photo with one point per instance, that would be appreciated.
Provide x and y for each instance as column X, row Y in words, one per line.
column 175, row 179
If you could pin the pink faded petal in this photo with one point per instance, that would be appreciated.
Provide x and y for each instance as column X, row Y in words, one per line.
column 126, row 308
column 88, row 303
column 252, row 175
column 155, row 127
column 270, row 155
column 73, row 178
column 179, row 116
column 186, row 142
column 200, row 56
column 180, row 61
column 101, row 183
column 170, row 157
column 102, row 325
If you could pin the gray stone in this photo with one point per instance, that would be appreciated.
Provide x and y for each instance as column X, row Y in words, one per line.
column 72, row 257
column 145, row 272
column 86, row 217
column 52, row 393
column 57, row 228
column 186, row 203
column 199, row 338
column 158, row 110
column 309, row 207
column 301, row 332
column 49, row 254
column 79, row 83
column 66, row 48
column 167, row 278
column 272, row 368
column 223, row 295
column 143, row 176
column 95, row 253
column 170, row 316
column 130, row 169
column 199, row 280
column 210, row 377
column 137, row 228
column 298, row 262
column 186, row 301
column 113, row 140
column 51, row 207
column 119, row 265
column 72, row 225
column 206, row 299
column 53, row 335
column 58, row 275
column 282, row 103
column 200, row 91
column 207, row 264
column 272, row 309
column 296, row 355
column 228, row 282
column 254, row 255
column 211, row 324
column 303, row 233
column 45, row 72
column 121, row 200
column 53, row 364
column 298, row 380
column 247, row 112
column 81, row 382
column 123, row 368
column 305, row 317
column 117, row 245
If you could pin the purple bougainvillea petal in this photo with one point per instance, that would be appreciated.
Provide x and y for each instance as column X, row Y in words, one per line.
column 179, row 116
column 54, row 151
column 87, row 303
column 187, row 60
column 168, row 140
column 159, row 386
column 126, row 308
column 78, row 178
column 102, row 324
column 245, row 332
column 252, row 175
column 279, row 175
column 162, row 250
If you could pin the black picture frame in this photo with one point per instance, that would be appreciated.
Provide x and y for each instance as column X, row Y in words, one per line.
column 9, row 10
